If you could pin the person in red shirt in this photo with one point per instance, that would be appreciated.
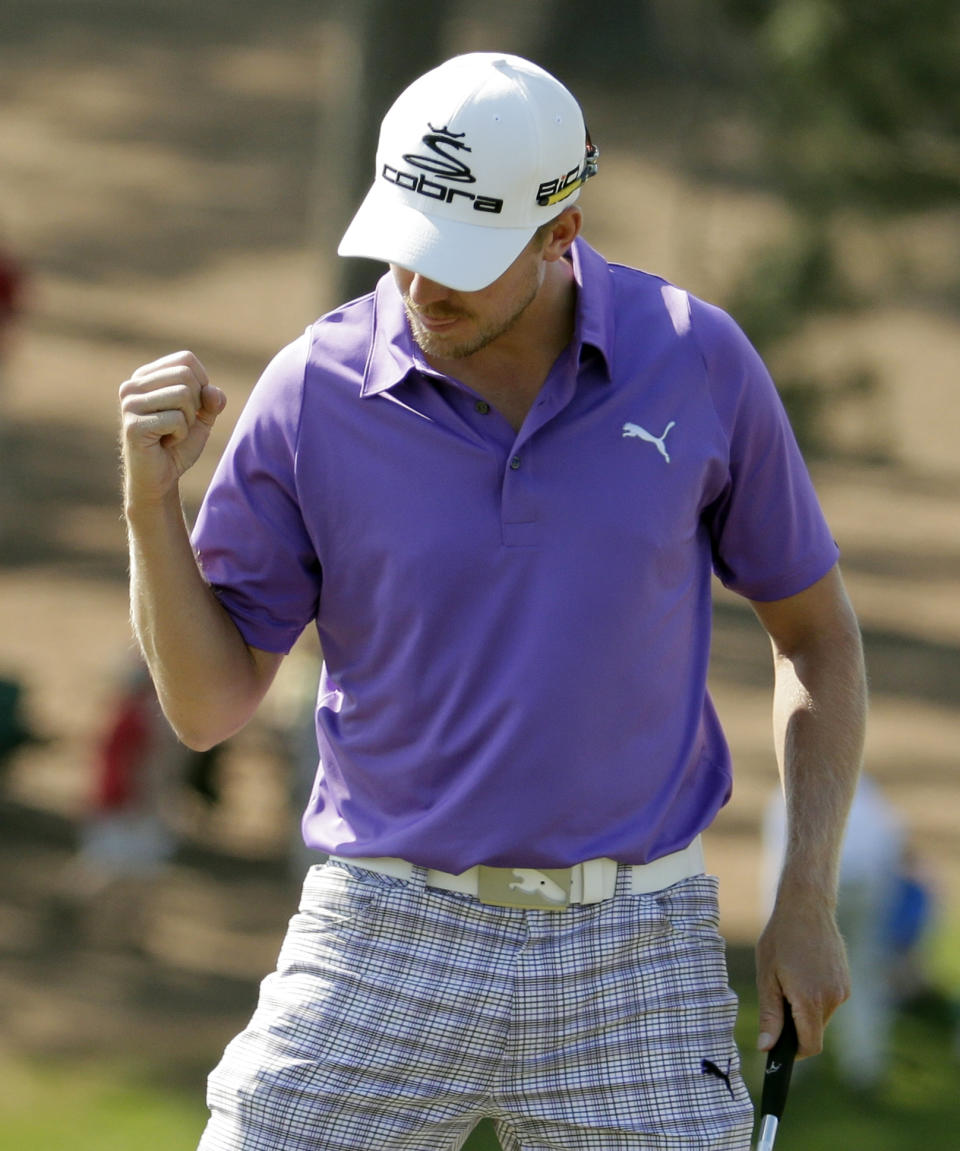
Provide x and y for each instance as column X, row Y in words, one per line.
column 12, row 279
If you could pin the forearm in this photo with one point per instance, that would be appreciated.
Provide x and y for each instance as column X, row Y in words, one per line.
column 819, row 719
column 208, row 680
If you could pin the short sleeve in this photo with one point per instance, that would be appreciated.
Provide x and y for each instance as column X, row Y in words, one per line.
column 250, row 538
column 769, row 536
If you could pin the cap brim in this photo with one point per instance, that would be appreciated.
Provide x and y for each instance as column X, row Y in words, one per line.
column 464, row 257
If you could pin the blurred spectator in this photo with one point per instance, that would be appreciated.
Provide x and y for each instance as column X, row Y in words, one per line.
column 909, row 922
column 15, row 731
column 127, row 835
column 12, row 280
column 884, row 915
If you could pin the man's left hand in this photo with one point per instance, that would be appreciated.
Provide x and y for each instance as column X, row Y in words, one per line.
column 801, row 957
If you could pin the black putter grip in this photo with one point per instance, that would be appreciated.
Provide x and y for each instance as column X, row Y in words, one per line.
column 776, row 1079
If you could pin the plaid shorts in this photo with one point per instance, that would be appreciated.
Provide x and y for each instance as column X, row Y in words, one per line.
column 400, row 1016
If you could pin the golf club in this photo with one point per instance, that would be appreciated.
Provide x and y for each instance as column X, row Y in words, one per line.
column 776, row 1080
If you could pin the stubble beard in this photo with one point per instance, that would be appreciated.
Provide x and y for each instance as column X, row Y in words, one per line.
column 450, row 347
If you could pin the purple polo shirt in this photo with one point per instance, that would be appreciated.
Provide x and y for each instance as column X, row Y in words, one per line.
column 515, row 626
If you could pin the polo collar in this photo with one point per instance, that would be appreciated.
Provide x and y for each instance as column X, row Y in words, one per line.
column 393, row 353
column 595, row 314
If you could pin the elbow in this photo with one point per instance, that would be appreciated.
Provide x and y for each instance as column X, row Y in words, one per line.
column 197, row 740
column 206, row 707
column 201, row 732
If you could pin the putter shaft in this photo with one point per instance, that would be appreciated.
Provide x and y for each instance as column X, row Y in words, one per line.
column 768, row 1132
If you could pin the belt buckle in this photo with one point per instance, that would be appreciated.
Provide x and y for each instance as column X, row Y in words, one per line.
column 525, row 887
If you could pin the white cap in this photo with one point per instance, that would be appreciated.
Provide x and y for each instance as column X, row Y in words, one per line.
column 473, row 157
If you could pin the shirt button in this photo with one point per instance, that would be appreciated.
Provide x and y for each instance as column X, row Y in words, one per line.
column 515, row 463
column 482, row 407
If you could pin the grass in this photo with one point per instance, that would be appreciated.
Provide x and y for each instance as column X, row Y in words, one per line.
column 93, row 1107
column 916, row 1108
column 112, row 1107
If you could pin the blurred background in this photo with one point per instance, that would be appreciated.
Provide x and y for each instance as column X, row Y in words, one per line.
column 176, row 174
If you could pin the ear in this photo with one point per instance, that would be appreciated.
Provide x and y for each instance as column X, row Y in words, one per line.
column 565, row 229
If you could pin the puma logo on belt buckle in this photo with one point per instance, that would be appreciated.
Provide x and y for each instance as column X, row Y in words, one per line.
column 525, row 887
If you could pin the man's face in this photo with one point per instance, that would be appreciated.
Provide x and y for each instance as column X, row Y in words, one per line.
column 453, row 325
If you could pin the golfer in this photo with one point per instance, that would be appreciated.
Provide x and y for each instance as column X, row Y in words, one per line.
column 498, row 487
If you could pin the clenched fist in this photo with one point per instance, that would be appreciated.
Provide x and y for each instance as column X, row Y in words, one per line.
column 168, row 408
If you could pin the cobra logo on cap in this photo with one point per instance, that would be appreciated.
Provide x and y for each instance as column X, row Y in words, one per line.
column 441, row 163
column 444, row 166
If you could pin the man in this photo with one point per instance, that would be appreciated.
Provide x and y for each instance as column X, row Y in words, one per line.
column 499, row 485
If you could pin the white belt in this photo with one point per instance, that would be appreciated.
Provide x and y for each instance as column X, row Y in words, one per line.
column 548, row 889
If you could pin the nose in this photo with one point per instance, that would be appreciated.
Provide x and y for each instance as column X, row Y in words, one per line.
column 423, row 292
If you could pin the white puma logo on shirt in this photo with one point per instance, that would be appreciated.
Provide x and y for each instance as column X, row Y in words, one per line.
column 649, row 437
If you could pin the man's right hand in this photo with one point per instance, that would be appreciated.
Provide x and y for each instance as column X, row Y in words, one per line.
column 168, row 408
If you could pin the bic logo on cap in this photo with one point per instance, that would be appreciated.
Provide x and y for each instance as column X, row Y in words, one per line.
column 553, row 191
column 444, row 166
